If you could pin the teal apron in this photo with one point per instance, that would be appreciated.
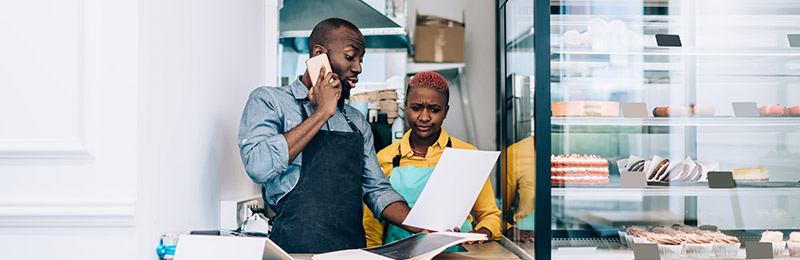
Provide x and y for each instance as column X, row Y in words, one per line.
column 409, row 181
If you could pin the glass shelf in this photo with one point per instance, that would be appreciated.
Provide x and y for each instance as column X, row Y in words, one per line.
column 678, row 121
column 610, row 193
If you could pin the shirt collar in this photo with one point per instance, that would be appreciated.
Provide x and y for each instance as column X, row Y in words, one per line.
column 299, row 90
column 405, row 143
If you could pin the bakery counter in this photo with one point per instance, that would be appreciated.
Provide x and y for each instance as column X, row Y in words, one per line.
column 489, row 250
column 614, row 193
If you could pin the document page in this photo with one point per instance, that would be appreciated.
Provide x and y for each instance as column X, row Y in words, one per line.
column 452, row 189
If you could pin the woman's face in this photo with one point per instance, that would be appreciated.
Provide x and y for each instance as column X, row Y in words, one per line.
column 425, row 111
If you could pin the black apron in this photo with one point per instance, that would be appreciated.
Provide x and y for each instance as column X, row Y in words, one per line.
column 323, row 212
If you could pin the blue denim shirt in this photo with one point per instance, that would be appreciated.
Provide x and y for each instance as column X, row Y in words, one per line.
column 272, row 111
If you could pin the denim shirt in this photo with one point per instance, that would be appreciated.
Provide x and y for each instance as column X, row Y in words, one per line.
column 272, row 111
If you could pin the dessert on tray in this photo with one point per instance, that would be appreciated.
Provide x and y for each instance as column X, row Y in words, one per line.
column 586, row 108
column 663, row 170
column 579, row 169
column 758, row 174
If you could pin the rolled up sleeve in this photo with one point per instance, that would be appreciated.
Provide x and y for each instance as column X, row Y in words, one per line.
column 376, row 190
column 263, row 148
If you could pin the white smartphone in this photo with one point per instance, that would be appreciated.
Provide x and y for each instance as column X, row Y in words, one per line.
column 314, row 64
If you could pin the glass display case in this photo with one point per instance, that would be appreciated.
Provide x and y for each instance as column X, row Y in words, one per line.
column 657, row 95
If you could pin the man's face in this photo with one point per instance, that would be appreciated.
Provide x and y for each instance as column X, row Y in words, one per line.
column 425, row 110
column 346, row 52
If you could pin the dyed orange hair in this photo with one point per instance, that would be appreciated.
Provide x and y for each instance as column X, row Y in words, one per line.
column 431, row 80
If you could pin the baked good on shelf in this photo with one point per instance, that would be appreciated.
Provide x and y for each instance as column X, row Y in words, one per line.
column 725, row 246
column 772, row 110
column 586, row 108
column 794, row 244
column 758, row 174
column 660, row 171
column 579, row 169
column 793, row 111
column 703, row 110
column 776, row 238
column 698, row 246
column 669, row 247
column 671, row 111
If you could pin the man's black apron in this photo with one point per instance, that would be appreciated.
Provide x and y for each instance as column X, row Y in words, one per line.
column 323, row 212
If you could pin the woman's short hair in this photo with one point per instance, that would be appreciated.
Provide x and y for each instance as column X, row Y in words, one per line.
column 431, row 80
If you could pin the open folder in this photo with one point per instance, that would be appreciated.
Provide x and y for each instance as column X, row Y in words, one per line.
column 422, row 246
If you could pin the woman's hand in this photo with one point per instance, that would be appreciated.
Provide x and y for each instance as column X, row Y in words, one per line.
column 517, row 235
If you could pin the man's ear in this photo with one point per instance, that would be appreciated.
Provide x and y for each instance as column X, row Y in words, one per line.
column 446, row 108
column 317, row 50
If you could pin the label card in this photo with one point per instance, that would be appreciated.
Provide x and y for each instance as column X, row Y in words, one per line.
column 745, row 109
column 794, row 40
column 720, row 180
column 645, row 252
column 758, row 250
column 634, row 110
column 636, row 180
column 577, row 250
column 668, row 40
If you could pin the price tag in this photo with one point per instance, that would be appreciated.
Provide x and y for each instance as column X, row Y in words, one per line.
column 758, row 250
column 645, row 252
column 745, row 109
column 721, row 180
column 794, row 40
column 633, row 180
column 668, row 40
column 634, row 110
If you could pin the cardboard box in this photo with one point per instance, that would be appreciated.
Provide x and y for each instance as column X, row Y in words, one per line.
column 438, row 39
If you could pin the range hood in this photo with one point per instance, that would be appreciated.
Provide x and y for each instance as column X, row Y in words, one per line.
column 298, row 18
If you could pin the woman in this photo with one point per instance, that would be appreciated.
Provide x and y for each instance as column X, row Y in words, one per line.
column 409, row 162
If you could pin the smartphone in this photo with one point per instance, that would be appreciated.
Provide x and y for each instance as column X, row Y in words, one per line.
column 314, row 64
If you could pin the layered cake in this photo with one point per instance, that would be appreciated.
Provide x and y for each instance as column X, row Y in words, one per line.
column 759, row 174
column 579, row 169
column 773, row 110
column 671, row 111
column 586, row 108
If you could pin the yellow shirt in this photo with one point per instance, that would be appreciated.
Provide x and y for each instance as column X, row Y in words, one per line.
column 485, row 208
column 520, row 178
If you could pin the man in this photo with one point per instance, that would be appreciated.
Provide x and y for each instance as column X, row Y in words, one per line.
column 315, row 159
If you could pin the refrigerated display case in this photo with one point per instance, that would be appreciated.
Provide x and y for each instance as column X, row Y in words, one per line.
column 609, row 91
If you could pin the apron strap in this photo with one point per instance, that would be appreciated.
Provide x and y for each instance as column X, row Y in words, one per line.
column 396, row 159
column 349, row 122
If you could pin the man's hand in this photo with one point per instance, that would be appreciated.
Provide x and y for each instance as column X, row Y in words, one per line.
column 524, row 236
column 324, row 95
column 396, row 213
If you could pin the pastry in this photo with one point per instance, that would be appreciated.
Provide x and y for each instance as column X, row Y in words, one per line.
column 776, row 238
column 793, row 111
column 703, row 110
column 725, row 246
column 669, row 247
column 794, row 244
column 760, row 174
column 586, row 108
column 671, row 111
column 578, row 169
column 698, row 246
column 660, row 172
column 773, row 110
column 637, row 166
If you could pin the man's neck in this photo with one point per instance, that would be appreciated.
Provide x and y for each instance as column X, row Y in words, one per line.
column 306, row 80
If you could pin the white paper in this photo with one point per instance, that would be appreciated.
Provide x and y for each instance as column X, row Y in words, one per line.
column 452, row 189
column 200, row 247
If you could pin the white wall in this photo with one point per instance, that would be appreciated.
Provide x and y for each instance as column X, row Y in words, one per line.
column 199, row 61
column 68, row 90
column 479, row 62
column 118, row 120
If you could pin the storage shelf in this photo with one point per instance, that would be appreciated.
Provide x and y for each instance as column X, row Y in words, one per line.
column 417, row 67
column 615, row 193
column 676, row 121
